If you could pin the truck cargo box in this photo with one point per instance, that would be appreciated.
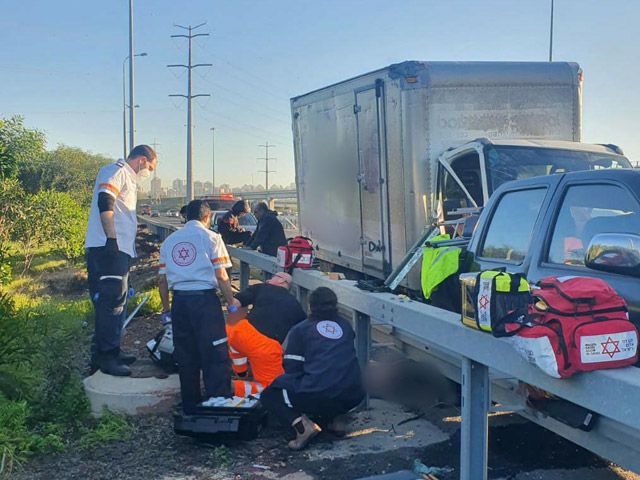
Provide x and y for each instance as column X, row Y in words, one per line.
column 367, row 149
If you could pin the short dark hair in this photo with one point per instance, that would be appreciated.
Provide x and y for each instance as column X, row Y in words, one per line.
column 142, row 151
column 261, row 206
column 323, row 303
column 198, row 210
column 241, row 206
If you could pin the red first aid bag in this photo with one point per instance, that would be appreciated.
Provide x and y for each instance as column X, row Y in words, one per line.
column 297, row 253
column 576, row 324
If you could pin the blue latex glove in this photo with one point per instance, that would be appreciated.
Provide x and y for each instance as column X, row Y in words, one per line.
column 130, row 292
column 166, row 318
column 231, row 308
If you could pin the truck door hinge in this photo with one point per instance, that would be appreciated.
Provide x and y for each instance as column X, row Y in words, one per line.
column 362, row 241
column 360, row 177
column 357, row 109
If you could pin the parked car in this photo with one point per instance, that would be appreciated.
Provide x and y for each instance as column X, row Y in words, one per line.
column 172, row 213
column 155, row 213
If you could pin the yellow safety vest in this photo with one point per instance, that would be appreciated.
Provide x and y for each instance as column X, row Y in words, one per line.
column 438, row 264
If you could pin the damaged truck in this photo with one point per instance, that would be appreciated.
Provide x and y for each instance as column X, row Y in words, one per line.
column 384, row 157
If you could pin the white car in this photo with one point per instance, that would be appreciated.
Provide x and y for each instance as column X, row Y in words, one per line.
column 172, row 213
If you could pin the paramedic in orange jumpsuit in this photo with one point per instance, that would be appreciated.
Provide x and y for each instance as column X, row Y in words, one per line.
column 255, row 339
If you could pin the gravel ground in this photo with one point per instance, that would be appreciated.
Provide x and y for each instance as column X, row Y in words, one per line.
column 155, row 452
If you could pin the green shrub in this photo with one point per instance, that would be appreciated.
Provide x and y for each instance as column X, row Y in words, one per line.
column 107, row 428
column 15, row 438
column 65, row 221
column 151, row 306
column 11, row 200
column 42, row 346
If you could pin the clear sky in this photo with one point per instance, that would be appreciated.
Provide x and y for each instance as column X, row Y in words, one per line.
column 61, row 66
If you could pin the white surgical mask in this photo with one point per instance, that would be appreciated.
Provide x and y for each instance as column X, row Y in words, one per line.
column 144, row 173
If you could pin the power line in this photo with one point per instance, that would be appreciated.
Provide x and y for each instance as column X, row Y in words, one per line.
column 266, row 159
column 275, row 115
column 248, row 126
column 189, row 96
column 260, row 80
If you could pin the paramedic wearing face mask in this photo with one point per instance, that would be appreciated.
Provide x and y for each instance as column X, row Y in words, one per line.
column 110, row 245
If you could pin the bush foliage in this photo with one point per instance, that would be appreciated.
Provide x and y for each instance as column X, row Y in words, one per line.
column 44, row 205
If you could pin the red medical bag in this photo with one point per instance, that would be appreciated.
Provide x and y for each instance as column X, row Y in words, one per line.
column 297, row 253
column 576, row 324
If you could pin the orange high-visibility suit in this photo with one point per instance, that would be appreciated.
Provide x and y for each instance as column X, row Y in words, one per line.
column 247, row 345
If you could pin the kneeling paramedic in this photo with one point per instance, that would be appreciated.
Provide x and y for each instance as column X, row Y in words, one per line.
column 321, row 376
column 193, row 264
column 247, row 346
column 255, row 339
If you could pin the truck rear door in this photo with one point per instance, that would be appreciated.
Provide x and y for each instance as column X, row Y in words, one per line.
column 372, row 180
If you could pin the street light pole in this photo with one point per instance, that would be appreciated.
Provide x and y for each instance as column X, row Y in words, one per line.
column 124, row 104
column 551, row 35
column 132, row 120
column 213, row 160
column 124, row 110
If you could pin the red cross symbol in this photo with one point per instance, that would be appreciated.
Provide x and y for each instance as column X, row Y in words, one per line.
column 484, row 302
column 607, row 344
column 183, row 253
column 330, row 329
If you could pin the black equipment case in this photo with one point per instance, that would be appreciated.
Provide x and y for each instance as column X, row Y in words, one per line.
column 222, row 423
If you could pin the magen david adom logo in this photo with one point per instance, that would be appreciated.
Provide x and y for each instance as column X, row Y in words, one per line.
column 183, row 254
column 329, row 329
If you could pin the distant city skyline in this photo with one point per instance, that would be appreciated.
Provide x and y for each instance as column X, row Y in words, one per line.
column 178, row 188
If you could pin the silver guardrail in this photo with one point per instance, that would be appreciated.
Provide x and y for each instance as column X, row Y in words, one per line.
column 157, row 226
column 488, row 368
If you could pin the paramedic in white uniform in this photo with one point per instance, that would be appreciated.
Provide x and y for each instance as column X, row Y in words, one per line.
column 193, row 263
column 110, row 245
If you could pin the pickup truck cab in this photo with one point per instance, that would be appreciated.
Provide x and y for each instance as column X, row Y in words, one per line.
column 581, row 223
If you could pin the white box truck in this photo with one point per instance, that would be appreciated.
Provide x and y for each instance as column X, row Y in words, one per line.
column 383, row 155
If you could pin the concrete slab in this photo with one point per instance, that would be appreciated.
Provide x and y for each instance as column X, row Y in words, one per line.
column 377, row 430
column 131, row 396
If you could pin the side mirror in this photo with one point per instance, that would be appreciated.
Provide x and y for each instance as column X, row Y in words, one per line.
column 614, row 253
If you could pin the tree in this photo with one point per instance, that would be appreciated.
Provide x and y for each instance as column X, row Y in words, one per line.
column 19, row 146
column 67, row 169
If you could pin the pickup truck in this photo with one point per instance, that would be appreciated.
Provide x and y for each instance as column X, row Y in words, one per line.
column 582, row 223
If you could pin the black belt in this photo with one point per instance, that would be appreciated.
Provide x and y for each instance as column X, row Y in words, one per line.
column 209, row 291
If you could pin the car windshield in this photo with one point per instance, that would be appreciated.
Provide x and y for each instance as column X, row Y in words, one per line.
column 506, row 163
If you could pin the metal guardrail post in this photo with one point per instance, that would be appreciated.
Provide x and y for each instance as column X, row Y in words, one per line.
column 244, row 276
column 475, row 423
column 303, row 297
column 362, row 324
